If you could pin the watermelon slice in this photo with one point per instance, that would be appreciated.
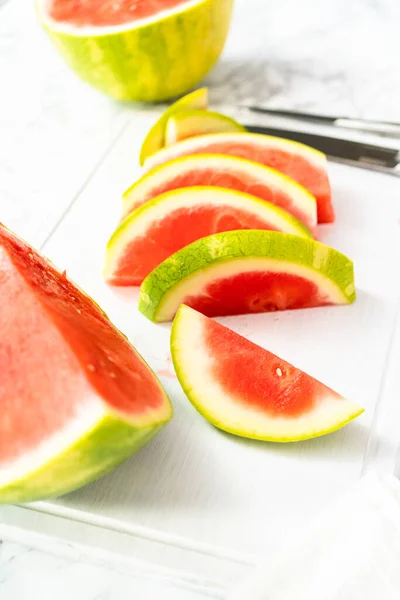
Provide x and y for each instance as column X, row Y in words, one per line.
column 138, row 49
column 76, row 399
column 245, row 390
column 155, row 139
column 302, row 163
column 227, row 172
column 252, row 271
column 173, row 220
column 189, row 123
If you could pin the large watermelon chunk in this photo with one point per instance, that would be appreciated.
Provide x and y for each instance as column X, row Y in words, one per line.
column 76, row 399
column 175, row 219
column 138, row 50
column 251, row 271
column 305, row 165
column 227, row 172
column 248, row 391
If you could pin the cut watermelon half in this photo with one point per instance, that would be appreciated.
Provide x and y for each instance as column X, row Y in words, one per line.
column 305, row 165
column 246, row 390
column 76, row 399
column 155, row 139
column 175, row 219
column 189, row 123
column 228, row 172
column 143, row 50
column 239, row 272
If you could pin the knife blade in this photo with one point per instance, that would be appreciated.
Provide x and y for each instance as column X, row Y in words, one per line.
column 360, row 154
column 385, row 128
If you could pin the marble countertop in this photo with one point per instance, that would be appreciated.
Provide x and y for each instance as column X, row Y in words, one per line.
column 336, row 57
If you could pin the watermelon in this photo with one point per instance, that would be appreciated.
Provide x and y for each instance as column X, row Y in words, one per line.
column 155, row 139
column 189, row 123
column 141, row 50
column 228, row 172
column 246, row 390
column 175, row 219
column 238, row 272
column 298, row 161
column 76, row 399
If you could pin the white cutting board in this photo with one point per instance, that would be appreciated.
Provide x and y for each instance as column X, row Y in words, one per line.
column 195, row 499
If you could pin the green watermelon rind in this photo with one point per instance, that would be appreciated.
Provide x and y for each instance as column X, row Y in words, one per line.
column 155, row 139
column 227, row 246
column 181, row 325
column 102, row 449
column 150, row 62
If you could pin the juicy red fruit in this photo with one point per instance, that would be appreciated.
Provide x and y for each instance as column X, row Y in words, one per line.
column 58, row 351
column 180, row 228
column 255, row 292
column 107, row 12
column 257, row 378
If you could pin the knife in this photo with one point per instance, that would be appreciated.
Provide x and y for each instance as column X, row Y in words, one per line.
column 385, row 128
column 359, row 154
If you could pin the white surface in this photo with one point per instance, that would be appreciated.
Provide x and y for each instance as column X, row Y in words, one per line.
column 66, row 154
column 350, row 551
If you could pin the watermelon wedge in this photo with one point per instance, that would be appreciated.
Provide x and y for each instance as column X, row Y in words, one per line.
column 238, row 272
column 76, row 399
column 155, row 139
column 173, row 220
column 298, row 161
column 228, row 172
column 246, row 390
column 189, row 123
column 138, row 50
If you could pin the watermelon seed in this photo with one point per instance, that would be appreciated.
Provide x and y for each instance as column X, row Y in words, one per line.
column 92, row 368
column 279, row 372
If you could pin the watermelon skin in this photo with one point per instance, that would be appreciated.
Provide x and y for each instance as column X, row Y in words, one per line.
column 108, row 444
column 152, row 62
column 76, row 397
column 261, row 396
column 173, row 281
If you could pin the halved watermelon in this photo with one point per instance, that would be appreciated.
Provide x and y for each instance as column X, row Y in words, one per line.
column 138, row 50
column 246, row 390
column 173, row 220
column 228, row 172
column 251, row 271
column 298, row 161
column 76, row 399
column 189, row 123
column 155, row 139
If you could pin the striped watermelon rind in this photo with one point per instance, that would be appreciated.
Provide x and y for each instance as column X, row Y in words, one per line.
column 103, row 447
column 148, row 60
column 163, row 287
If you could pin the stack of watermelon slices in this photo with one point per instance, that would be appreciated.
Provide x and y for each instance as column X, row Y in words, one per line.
column 224, row 221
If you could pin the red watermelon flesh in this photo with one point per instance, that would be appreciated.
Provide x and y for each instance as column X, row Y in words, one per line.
column 302, row 163
column 58, row 352
column 276, row 387
column 107, row 12
column 246, row 390
column 257, row 291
